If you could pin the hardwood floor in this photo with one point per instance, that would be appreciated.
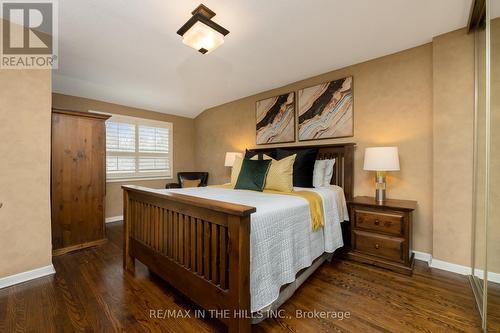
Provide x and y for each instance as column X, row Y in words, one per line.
column 493, row 307
column 90, row 293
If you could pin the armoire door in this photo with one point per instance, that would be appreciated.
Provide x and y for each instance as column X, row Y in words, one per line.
column 78, row 179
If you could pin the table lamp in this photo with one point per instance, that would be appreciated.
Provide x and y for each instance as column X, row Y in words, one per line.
column 381, row 159
column 230, row 156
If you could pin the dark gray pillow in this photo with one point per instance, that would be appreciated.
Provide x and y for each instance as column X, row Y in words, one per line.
column 303, row 167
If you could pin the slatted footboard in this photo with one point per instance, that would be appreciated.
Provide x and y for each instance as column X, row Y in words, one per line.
column 200, row 246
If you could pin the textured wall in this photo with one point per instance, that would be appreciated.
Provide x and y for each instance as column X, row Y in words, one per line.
column 392, row 106
column 453, row 80
column 183, row 143
column 418, row 99
column 25, row 118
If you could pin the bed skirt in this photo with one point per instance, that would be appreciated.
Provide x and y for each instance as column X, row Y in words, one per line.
column 289, row 289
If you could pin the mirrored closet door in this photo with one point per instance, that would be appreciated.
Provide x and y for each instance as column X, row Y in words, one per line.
column 493, row 230
column 486, row 240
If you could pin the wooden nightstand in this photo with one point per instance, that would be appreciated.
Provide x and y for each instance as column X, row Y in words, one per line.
column 381, row 234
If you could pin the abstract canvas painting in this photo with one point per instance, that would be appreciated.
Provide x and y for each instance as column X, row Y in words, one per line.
column 326, row 110
column 275, row 119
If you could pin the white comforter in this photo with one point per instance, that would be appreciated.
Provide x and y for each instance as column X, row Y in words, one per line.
column 282, row 241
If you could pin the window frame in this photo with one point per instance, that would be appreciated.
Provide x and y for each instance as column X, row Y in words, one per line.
column 136, row 175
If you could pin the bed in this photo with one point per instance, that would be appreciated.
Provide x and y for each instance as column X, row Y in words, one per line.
column 199, row 240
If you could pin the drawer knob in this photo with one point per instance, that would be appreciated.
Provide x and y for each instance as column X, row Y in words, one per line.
column 377, row 222
column 377, row 246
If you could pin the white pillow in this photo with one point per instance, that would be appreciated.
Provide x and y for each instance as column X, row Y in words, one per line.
column 328, row 172
column 319, row 173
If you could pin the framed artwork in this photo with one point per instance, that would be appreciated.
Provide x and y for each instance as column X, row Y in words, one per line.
column 275, row 119
column 326, row 110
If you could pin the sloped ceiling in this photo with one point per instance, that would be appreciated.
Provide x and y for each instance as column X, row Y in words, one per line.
column 128, row 52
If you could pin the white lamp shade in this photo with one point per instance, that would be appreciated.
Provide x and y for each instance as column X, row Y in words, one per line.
column 381, row 159
column 201, row 36
column 230, row 156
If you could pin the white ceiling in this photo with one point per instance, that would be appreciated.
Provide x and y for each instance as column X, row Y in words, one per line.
column 128, row 52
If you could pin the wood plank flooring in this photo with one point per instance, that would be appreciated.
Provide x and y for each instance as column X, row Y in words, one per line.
column 493, row 307
column 90, row 293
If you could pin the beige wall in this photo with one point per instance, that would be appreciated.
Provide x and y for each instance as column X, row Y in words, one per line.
column 392, row 106
column 183, row 131
column 25, row 118
column 453, row 104
column 418, row 99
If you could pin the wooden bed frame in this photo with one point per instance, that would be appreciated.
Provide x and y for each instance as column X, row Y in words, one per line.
column 202, row 247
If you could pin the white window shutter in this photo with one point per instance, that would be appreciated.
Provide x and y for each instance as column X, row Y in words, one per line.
column 138, row 148
column 120, row 136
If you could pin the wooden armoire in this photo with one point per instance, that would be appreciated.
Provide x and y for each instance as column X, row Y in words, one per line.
column 78, row 179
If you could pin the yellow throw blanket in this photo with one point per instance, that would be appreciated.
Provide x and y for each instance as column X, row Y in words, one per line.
column 314, row 199
column 315, row 206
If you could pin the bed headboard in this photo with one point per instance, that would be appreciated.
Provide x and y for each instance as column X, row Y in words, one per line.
column 343, row 170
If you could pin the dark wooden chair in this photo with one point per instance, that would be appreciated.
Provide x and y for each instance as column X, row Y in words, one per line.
column 182, row 176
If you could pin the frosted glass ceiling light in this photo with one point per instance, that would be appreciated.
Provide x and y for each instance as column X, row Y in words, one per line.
column 201, row 33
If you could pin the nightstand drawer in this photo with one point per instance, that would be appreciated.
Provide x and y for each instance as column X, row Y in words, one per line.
column 378, row 245
column 391, row 223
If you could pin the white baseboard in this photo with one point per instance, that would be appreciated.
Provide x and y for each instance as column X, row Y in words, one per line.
column 450, row 267
column 444, row 265
column 454, row 268
column 26, row 276
column 114, row 219
column 423, row 256
column 492, row 276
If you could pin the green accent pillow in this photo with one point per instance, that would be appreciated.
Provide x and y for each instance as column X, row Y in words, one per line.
column 253, row 175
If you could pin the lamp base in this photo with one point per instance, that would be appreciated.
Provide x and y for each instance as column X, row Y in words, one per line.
column 380, row 196
column 380, row 187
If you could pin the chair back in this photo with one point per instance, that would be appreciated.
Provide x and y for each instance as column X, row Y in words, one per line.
column 202, row 176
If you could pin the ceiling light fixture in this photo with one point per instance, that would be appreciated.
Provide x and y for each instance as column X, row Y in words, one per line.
column 200, row 32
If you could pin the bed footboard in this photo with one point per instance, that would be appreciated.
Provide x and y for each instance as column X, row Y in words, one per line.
column 200, row 246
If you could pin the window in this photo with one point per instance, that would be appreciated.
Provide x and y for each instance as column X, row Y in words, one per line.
column 138, row 148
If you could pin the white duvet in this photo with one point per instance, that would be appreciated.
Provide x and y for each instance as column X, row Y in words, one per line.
column 282, row 241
